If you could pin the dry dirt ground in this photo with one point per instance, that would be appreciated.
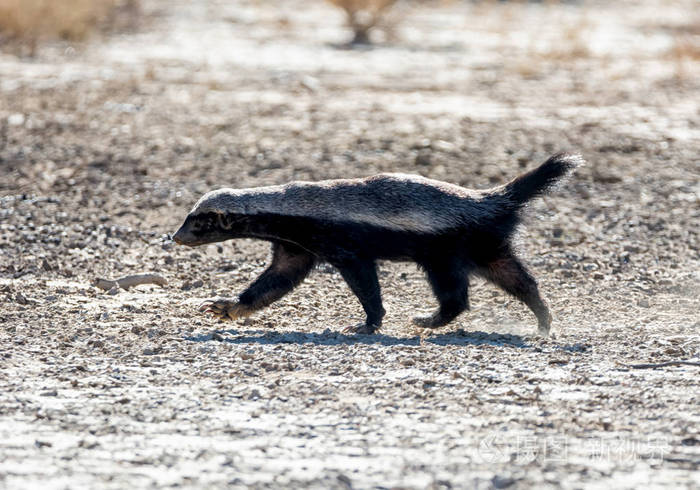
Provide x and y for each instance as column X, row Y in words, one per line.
column 105, row 147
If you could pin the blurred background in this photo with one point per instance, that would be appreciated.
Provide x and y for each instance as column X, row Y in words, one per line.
column 363, row 77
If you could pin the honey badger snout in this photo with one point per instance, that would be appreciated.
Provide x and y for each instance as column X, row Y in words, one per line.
column 185, row 236
column 200, row 229
column 182, row 237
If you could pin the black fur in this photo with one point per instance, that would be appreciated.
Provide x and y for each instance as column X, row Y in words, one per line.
column 538, row 181
column 448, row 255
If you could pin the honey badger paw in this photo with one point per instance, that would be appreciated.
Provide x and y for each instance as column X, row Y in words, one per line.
column 543, row 329
column 225, row 308
column 435, row 320
column 362, row 328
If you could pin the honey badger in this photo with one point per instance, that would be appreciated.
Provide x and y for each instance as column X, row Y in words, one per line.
column 450, row 231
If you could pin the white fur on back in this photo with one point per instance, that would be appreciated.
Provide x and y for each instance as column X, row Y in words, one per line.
column 393, row 201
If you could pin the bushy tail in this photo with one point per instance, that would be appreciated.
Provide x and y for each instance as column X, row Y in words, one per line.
column 536, row 182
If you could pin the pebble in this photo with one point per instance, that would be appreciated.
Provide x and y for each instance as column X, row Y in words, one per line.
column 15, row 119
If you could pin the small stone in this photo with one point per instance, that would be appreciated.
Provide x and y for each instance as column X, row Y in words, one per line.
column 423, row 159
column 310, row 83
column 502, row 482
column 344, row 481
column 16, row 119
column 88, row 444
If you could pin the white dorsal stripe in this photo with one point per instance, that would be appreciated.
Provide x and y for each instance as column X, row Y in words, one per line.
column 393, row 201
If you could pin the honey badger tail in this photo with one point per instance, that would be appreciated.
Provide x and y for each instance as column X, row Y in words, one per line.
column 536, row 182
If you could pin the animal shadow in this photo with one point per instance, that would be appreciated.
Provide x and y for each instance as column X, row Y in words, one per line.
column 329, row 337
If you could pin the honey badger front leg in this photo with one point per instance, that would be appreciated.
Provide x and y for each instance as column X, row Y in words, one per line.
column 290, row 265
column 361, row 276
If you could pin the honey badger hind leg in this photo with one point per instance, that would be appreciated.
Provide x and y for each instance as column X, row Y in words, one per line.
column 290, row 265
column 449, row 280
column 512, row 276
column 361, row 277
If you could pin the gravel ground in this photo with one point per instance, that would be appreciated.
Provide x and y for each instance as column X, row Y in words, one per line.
column 104, row 148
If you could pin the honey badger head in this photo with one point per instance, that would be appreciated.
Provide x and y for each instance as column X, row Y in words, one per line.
column 206, row 223
column 200, row 229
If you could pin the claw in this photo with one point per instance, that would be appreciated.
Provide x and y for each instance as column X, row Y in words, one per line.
column 224, row 308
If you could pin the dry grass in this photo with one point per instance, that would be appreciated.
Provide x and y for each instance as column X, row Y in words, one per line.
column 363, row 15
column 572, row 43
column 31, row 21
column 685, row 54
column 686, row 48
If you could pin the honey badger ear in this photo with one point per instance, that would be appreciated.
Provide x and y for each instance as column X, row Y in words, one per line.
column 223, row 222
